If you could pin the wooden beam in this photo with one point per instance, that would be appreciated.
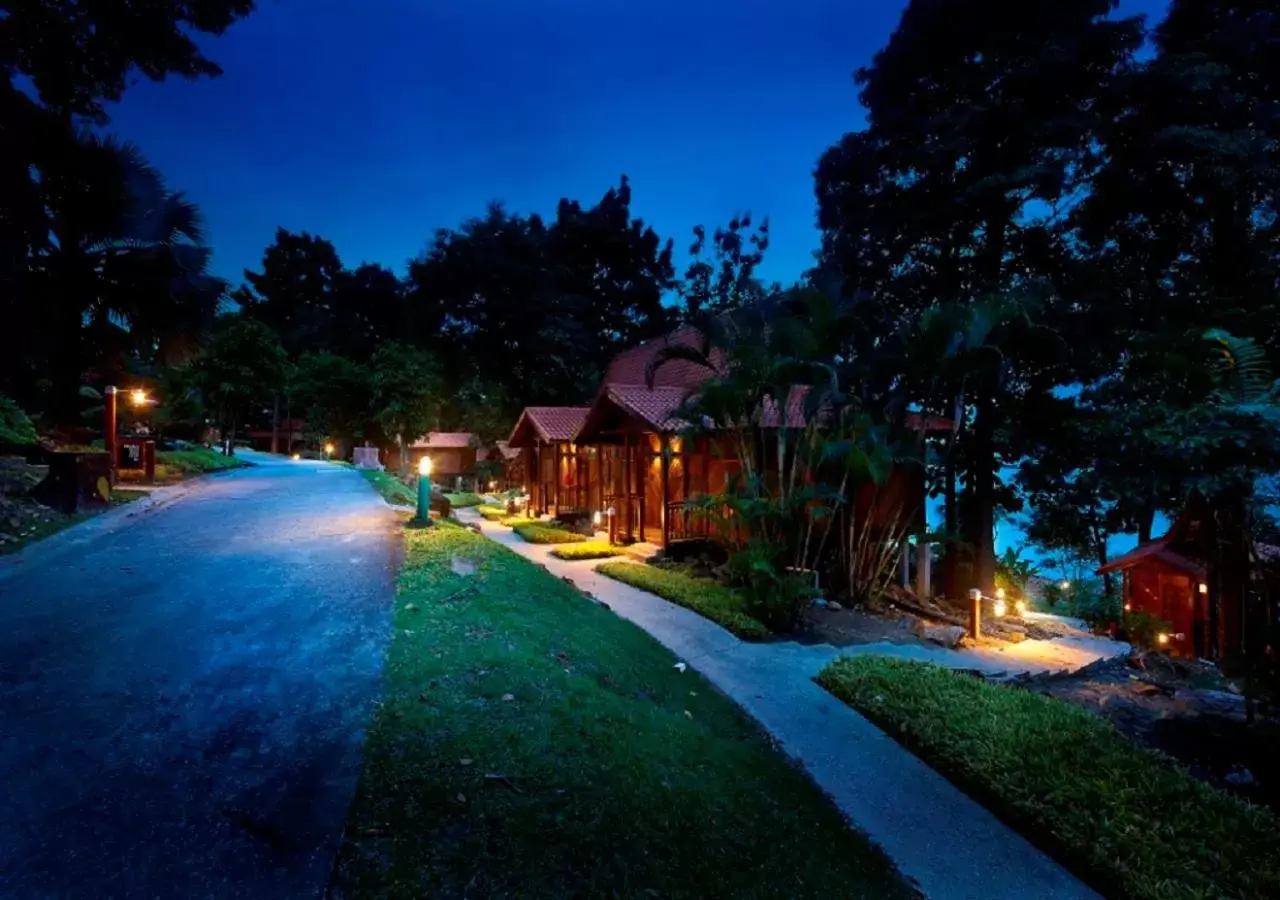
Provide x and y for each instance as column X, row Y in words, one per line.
column 642, row 482
column 626, row 482
column 664, row 445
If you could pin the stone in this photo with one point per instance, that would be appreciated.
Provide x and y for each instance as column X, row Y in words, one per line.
column 1239, row 776
column 1015, row 637
column 834, row 606
column 948, row 636
column 909, row 622
column 820, row 603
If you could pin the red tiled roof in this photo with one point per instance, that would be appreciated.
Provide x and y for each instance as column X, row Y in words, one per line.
column 1156, row 550
column 499, row 450
column 443, row 440
column 630, row 366
column 550, row 423
column 655, row 407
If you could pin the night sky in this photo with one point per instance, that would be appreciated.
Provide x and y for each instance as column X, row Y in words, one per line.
column 375, row 122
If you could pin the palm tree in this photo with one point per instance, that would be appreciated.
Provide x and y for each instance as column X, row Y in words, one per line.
column 124, row 268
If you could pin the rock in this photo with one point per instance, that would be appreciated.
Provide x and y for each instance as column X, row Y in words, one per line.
column 948, row 636
column 1015, row 637
column 820, row 603
column 834, row 606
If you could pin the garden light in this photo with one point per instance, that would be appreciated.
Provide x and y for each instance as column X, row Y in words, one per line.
column 1204, row 588
column 1066, row 585
column 1162, row 638
column 595, row 518
column 1128, row 607
column 138, row 397
column 423, row 517
column 999, row 607
column 493, row 485
column 328, row 449
column 975, row 613
column 296, row 457
column 1020, row 606
column 999, row 593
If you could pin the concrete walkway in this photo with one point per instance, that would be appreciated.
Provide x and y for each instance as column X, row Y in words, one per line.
column 951, row 847
column 184, row 687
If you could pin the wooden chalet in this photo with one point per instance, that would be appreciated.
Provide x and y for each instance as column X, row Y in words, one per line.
column 628, row 461
column 556, row 476
column 1198, row 580
column 452, row 454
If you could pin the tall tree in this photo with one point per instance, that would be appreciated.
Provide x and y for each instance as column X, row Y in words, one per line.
column 243, row 364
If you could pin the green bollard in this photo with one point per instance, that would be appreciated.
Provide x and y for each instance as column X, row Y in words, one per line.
column 423, row 518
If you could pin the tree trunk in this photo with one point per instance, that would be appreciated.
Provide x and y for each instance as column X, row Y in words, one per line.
column 275, row 421
column 981, row 528
column 1146, row 519
column 950, row 569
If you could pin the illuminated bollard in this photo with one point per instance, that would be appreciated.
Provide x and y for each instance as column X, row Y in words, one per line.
column 423, row 518
column 975, row 613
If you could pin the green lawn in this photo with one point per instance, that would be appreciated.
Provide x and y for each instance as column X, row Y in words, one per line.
column 532, row 744
column 1126, row 820
column 717, row 602
column 196, row 461
column 587, row 550
column 463, row 498
column 492, row 513
column 541, row 533
column 391, row 488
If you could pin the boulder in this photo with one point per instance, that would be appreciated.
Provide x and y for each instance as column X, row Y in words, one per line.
column 440, row 503
column 948, row 636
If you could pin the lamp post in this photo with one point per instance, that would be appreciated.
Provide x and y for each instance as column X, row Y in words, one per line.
column 975, row 613
column 109, row 426
column 423, row 518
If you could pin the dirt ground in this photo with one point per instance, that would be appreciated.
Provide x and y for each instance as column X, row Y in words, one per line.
column 21, row 518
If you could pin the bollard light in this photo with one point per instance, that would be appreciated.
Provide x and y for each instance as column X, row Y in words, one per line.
column 328, row 449
column 1020, row 606
column 975, row 613
column 596, row 519
column 999, row 607
column 423, row 518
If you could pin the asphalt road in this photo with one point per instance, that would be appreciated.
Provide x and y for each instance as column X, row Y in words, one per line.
column 184, row 688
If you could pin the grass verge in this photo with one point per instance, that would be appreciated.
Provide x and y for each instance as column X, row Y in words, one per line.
column 513, row 521
column 540, row 533
column 587, row 550
column 714, row 601
column 391, row 488
column 532, row 744
column 196, row 461
column 492, row 513
column 463, row 498
column 1123, row 818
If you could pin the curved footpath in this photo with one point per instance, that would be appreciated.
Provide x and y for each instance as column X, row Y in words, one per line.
column 948, row 845
column 184, row 685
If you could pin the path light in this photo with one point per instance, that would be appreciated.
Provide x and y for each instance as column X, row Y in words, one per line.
column 1204, row 588
column 1066, row 585
column 493, row 485
column 138, row 397
column 1020, row 607
column 975, row 613
column 596, row 518
column 1162, row 638
column 423, row 517
column 999, row 607
column 1128, row 607
column 296, row 457
column 328, row 449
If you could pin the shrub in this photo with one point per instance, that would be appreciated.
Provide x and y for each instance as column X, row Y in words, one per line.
column 15, row 427
column 512, row 521
column 492, row 513
column 1141, row 628
column 197, row 461
column 720, row 604
column 587, row 550
column 1125, row 818
column 538, row 533
column 773, row 595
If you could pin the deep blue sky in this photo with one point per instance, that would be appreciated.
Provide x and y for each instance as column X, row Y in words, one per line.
column 375, row 122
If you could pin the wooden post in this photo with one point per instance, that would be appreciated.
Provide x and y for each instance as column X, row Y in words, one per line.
column 642, row 484
column 975, row 613
column 924, row 569
column 664, row 445
column 109, row 428
column 626, row 480
column 906, row 564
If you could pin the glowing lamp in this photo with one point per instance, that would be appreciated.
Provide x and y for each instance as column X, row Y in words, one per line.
column 1066, row 585
column 999, row 593
column 1128, row 607
column 424, row 467
column 1162, row 638
column 138, row 397
column 595, row 518
column 296, row 457
column 1204, row 588
column 1021, row 607
column 999, row 607
column 493, row 485
column 328, row 449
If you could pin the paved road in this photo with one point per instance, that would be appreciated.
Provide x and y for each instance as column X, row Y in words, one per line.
column 184, row 688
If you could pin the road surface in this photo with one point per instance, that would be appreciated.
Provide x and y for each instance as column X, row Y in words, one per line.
column 184, row 688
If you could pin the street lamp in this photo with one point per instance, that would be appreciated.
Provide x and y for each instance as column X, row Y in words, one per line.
column 423, row 518
column 138, row 397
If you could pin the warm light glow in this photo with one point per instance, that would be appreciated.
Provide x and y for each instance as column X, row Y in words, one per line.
column 296, row 456
column 1021, row 607
column 595, row 518
column 999, row 593
column 1204, row 588
column 999, row 607
column 138, row 397
column 1128, row 607
column 493, row 485
column 1162, row 638
column 609, row 512
column 1066, row 585
column 328, row 449
column 424, row 467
